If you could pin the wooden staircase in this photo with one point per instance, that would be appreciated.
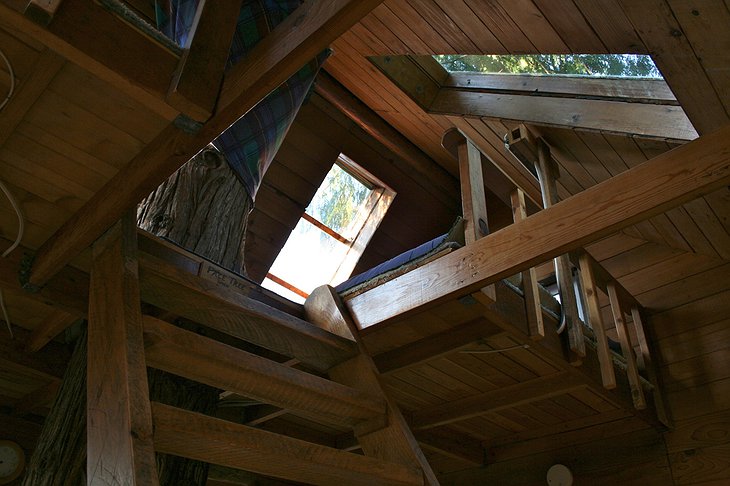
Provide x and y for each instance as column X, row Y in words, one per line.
column 125, row 429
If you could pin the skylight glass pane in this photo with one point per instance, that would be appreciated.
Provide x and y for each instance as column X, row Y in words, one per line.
column 606, row 65
column 310, row 257
column 281, row 290
column 337, row 201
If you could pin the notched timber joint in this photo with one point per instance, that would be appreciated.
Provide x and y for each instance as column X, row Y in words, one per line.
column 26, row 265
column 187, row 124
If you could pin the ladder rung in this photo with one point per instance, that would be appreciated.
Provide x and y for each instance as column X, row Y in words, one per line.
column 202, row 301
column 205, row 360
column 216, row 441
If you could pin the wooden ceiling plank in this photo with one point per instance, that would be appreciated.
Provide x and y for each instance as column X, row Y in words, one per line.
column 535, row 26
column 682, row 174
column 83, row 44
column 462, row 15
column 612, row 26
column 674, row 56
column 572, row 27
column 704, row 23
column 197, row 436
column 500, row 24
column 444, row 26
column 493, row 401
column 205, row 360
column 48, row 64
column 292, row 43
column 434, row 346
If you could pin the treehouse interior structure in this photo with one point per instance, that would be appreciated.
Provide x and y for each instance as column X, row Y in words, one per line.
column 533, row 286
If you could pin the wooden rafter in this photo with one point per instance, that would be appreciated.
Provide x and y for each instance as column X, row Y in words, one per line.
column 308, row 30
column 668, row 180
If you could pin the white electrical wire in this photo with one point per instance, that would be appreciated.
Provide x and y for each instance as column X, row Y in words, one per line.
column 11, row 198
column 12, row 80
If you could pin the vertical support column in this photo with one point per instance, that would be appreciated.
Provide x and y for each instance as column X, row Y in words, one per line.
column 650, row 366
column 393, row 440
column 535, row 322
column 473, row 199
column 608, row 374
column 637, row 392
column 547, row 174
column 119, row 421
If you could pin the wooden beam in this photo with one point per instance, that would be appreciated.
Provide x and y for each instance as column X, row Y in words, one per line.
column 627, row 348
column 119, row 424
column 436, row 180
column 51, row 327
column 595, row 319
column 533, row 307
column 654, row 91
column 662, row 122
column 225, row 310
column 530, row 391
column 42, row 11
column 306, row 32
column 394, row 442
column 197, row 80
column 207, row 439
column 668, row 180
column 205, row 360
column 494, row 176
column 434, row 346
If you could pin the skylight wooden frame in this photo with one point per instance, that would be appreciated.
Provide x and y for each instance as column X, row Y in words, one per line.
column 643, row 108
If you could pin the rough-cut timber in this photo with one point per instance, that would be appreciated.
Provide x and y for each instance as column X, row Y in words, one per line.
column 216, row 441
column 670, row 179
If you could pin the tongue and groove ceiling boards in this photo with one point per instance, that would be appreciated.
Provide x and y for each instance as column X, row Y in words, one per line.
column 71, row 127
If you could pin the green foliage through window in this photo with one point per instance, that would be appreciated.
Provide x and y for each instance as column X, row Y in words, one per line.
column 338, row 200
column 620, row 65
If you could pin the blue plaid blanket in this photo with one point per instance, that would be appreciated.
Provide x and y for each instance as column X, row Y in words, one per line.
column 251, row 143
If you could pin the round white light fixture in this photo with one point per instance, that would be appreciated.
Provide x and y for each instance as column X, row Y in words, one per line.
column 559, row 475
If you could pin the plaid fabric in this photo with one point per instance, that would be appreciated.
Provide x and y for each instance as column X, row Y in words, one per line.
column 251, row 143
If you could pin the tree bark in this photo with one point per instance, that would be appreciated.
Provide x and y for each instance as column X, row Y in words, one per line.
column 202, row 207
column 59, row 459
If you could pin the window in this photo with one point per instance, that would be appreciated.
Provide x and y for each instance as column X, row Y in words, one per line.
column 608, row 65
column 334, row 230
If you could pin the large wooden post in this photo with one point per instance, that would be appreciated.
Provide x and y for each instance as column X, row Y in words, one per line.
column 119, row 421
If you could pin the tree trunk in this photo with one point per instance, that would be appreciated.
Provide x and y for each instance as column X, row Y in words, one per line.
column 59, row 459
column 202, row 207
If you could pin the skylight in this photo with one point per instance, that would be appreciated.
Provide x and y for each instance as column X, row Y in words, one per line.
column 597, row 65
column 329, row 238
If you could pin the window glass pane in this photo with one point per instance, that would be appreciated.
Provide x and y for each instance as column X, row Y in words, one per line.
column 620, row 65
column 281, row 290
column 338, row 200
column 310, row 257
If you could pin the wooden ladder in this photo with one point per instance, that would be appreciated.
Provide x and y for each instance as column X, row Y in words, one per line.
column 125, row 428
